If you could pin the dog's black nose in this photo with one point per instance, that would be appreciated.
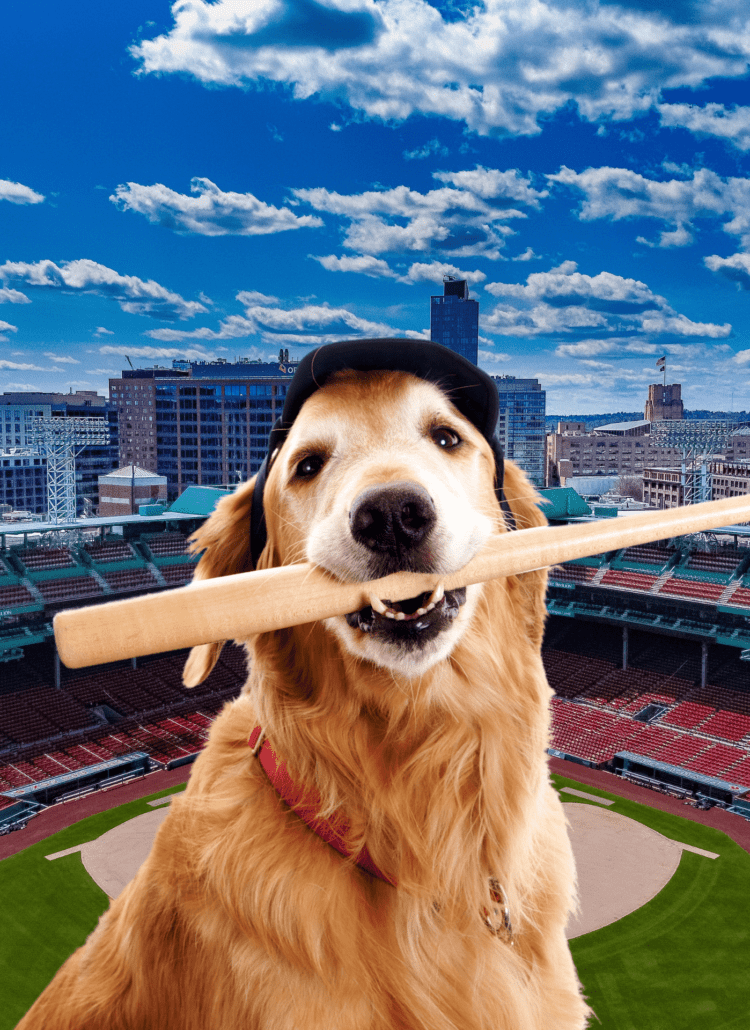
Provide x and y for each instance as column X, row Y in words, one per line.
column 392, row 518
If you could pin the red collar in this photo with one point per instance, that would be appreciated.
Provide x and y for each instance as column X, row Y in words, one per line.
column 305, row 803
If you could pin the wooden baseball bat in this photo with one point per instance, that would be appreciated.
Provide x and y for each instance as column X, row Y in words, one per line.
column 238, row 606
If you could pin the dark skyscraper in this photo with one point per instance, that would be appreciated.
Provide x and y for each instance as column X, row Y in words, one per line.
column 454, row 319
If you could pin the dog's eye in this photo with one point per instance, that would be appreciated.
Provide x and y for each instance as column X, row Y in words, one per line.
column 309, row 466
column 445, row 438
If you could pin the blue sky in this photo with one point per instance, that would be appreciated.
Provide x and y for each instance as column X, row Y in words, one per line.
column 225, row 179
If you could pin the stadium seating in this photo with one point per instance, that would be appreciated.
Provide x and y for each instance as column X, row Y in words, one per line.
column 164, row 545
column 627, row 579
column 714, row 561
column 688, row 714
column 694, row 588
column 177, row 574
column 740, row 597
column 130, row 579
column 110, row 550
column 715, row 760
column 68, row 588
column 576, row 573
column 15, row 596
column 38, row 559
column 651, row 555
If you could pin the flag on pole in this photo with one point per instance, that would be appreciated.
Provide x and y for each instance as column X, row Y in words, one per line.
column 660, row 361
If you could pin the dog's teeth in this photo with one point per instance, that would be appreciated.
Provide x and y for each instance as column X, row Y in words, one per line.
column 377, row 605
column 389, row 614
column 421, row 611
column 399, row 615
column 436, row 595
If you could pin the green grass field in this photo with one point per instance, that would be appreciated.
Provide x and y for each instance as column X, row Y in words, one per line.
column 678, row 963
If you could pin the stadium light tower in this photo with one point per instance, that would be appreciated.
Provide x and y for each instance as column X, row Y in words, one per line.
column 62, row 440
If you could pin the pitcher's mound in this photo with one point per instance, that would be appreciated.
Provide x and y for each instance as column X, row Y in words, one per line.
column 621, row 863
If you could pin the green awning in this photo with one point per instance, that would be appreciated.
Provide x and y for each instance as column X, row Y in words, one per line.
column 564, row 503
column 197, row 500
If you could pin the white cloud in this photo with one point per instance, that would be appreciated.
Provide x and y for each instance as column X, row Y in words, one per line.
column 491, row 183
column 660, row 322
column 434, row 146
column 618, row 193
column 16, row 193
column 564, row 299
column 210, row 212
column 20, row 366
column 499, row 66
column 8, row 296
column 493, row 357
column 732, row 124
column 587, row 348
column 307, row 324
column 566, row 378
column 365, row 264
column 528, row 255
column 248, row 297
column 462, row 220
column 507, row 320
column 192, row 353
column 7, row 327
column 735, row 268
column 101, row 331
column 136, row 296
column 435, row 270
column 64, row 360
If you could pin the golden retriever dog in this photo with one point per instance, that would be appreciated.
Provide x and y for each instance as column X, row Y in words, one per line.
column 422, row 724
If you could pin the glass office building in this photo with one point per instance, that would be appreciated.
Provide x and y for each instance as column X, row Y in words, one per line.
column 454, row 319
column 521, row 424
column 207, row 424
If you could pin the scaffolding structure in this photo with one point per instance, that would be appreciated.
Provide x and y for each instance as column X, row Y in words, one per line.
column 62, row 440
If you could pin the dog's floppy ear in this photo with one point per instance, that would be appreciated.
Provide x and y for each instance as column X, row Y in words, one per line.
column 224, row 539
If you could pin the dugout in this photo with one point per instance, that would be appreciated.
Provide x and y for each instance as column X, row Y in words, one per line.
column 83, row 780
column 653, row 773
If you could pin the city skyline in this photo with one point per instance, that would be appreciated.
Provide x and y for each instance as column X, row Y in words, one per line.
column 228, row 179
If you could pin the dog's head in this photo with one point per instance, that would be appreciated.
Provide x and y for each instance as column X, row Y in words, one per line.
column 379, row 473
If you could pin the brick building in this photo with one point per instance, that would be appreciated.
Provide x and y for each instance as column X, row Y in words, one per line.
column 122, row 491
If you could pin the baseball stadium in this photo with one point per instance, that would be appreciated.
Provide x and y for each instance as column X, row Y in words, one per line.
column 646, row 649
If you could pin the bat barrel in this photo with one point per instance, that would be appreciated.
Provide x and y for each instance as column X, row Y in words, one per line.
column 239, row 606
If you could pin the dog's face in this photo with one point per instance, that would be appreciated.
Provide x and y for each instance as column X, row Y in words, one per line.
column 379, row 474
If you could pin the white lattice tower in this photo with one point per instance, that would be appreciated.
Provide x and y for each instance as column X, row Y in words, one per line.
column 61, row 440
column 696, row 479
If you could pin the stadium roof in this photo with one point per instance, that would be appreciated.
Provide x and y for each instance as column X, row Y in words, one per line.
column 197, row 500
column 621, row 427
column 564, row 503
column 21, row 528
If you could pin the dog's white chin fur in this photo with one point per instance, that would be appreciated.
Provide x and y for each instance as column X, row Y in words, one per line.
column 391, row 655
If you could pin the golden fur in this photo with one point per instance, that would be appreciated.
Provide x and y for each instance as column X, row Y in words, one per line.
column 241, row 917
